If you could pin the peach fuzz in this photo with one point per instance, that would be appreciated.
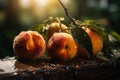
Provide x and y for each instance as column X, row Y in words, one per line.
column 29, row 45
column 62, row 47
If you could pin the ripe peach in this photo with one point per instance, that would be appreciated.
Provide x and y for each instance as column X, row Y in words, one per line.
column 55, row 27
column 96, row 39
column 29, row 45
column 62, row 47
column 82, row 52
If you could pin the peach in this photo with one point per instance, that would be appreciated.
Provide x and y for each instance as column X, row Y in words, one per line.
column 29, row 45
column 55, row 27
column 96, row 39
column 82, row 52
column 62, row 47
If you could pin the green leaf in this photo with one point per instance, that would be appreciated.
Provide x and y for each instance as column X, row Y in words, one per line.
column 38, row 28
column 115, row 35
column 111, row 57
column 41, row 28
column 82, row 38
column 94, row 25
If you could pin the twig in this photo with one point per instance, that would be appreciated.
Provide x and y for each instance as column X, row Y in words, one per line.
column 59, row 24
column 67, row 13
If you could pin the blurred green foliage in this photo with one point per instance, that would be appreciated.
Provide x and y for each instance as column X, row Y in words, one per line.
column 14, row 18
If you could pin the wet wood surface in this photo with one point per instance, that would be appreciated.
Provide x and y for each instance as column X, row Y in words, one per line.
column 47, row 69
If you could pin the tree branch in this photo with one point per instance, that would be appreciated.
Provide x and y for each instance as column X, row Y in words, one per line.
column 67, row 13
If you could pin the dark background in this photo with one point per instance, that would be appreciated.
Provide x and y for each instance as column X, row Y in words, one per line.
column 19, row 15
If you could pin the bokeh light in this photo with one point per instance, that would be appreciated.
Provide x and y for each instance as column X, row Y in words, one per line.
column 25, row 3
column 42, row 3
column 35, row 10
